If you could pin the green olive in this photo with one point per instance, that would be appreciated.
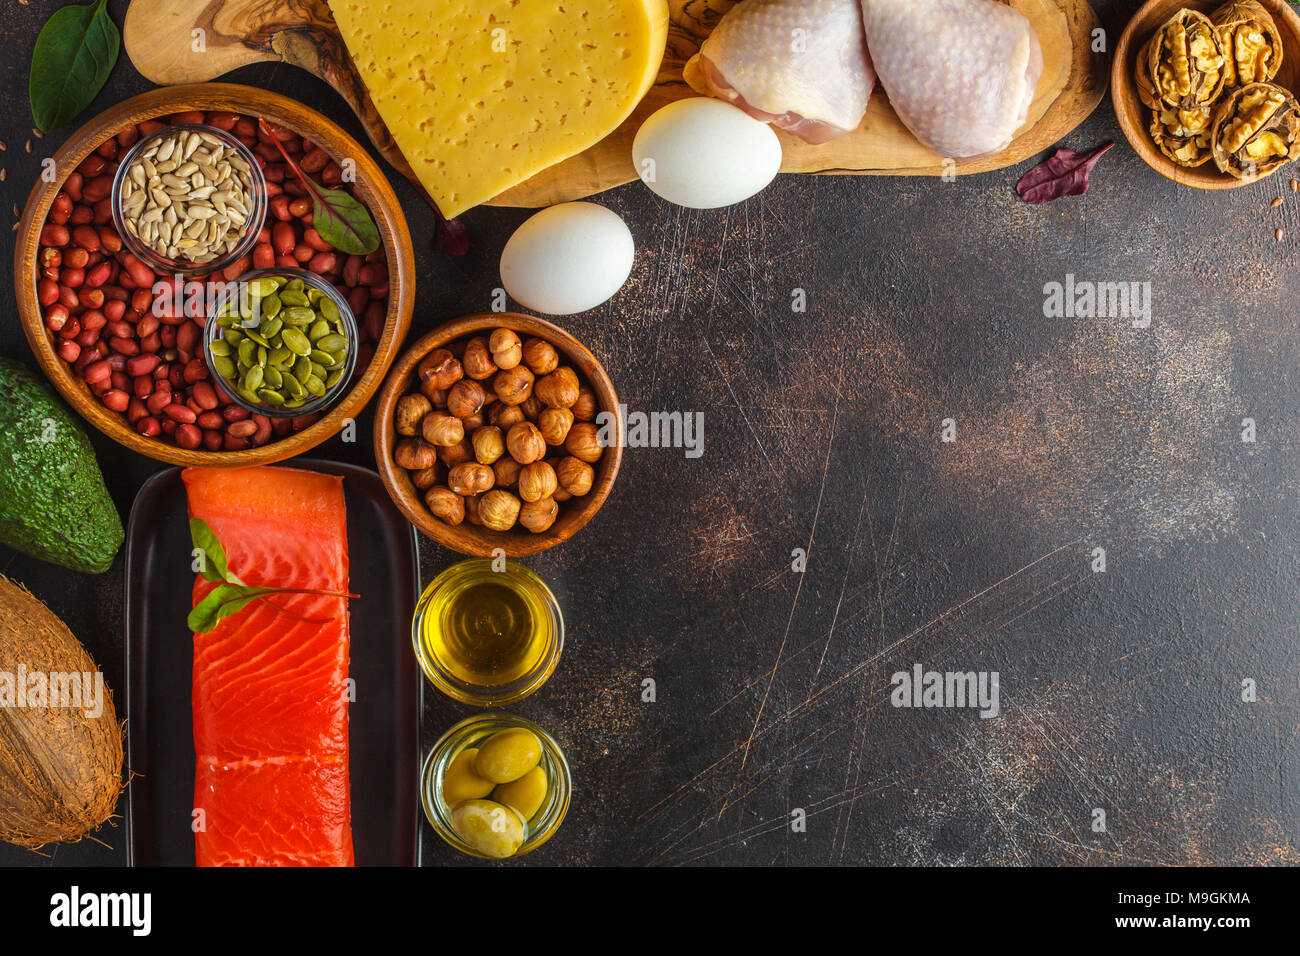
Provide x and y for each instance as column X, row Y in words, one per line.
column 524, row 795
column 508, row 754
column 460, row 782
column 492, row 829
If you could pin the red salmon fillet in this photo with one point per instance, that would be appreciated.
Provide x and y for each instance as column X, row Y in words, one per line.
column 270, row 703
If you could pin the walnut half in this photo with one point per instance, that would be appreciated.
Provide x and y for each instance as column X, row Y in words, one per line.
column 1183, row 64
column 1256, row 130
column 1182, row 135
column 1252, row 45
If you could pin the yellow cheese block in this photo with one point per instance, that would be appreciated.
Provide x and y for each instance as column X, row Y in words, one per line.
column 482, row 94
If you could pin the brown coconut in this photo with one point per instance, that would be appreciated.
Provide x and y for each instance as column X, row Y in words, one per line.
column 60, row 771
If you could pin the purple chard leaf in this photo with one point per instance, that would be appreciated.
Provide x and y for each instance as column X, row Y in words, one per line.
column 1064, row 173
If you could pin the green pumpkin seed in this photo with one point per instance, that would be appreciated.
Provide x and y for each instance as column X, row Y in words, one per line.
column 252, row 378
column 270, row 397
column 280, row 357
column 271, row 376
column 234, row 336
column 319, row 329
column 332, row 378
column 263, row 287
column 322, row 358
column 249, row 396
column 314, row 385
column 332, row 343
column 298, row 315
column 295, row 341
column 225, row 368
column 293, row 388
column 271, row 327
column 302, row 369
column 219, row 347
column 271, row 306
column 257, row 337
column 294, row 297
column 318, row 371
column 329, row 308
column 247, row 352
column 227, row 321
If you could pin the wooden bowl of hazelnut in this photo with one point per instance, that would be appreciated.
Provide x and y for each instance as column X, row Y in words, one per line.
column 498, row 430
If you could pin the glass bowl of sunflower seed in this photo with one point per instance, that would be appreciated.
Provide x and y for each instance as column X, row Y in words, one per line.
column 189, row 199
column 284, row 344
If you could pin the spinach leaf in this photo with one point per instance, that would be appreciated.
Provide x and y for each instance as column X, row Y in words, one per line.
column 75, row 51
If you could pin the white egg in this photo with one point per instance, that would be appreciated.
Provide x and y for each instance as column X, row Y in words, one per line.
column 704, row 153
column 568, row 258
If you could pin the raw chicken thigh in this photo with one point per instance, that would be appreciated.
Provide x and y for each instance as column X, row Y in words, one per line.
column 801, row 65
column 960, row 74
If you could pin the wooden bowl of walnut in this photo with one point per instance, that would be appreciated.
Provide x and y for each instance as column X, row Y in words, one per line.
column 1135, row 117
column 488, row 434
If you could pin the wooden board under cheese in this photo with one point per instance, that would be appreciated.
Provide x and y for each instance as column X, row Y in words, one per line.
column 158, row 35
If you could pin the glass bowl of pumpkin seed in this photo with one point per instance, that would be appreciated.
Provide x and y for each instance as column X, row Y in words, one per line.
column 283, row 343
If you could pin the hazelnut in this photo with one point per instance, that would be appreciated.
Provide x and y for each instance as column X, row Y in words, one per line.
column 465, row 398
column 415, row 454
column 575, row 476
column 503, row 415
column 540, row 356
column 559, row 389
column 584, row 442
column 474, row 422
column 532, row 407
column 453, row 455
column 506, row 349
column 537, row 481
column 478, row 359
column 442, row 429
column 470, row 478
column 507, row 471
column 471, row 508
column 586, row 407
column 514, row 385
column 498, row 510
column 425, row 478
column 489, row 444
column 526, row 443
column 436, row 396
column 539, row 515
column 554, row 424
column 561, row 495
column 445, row 504
column 440, row 369
column 410, row 409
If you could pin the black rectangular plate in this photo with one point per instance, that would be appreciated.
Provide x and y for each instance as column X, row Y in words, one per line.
column 383, row 721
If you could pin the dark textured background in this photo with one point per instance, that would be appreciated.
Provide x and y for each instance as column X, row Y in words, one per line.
column 1120, row 690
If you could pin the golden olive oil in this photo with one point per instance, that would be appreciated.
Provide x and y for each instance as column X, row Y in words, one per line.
column 482, row 630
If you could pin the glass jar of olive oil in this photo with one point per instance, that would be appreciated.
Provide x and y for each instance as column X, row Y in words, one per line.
column 487, row 637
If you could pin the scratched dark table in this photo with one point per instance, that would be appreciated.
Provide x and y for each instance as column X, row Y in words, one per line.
column 1121, row 690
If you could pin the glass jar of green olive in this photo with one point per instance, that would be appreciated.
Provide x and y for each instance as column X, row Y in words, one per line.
column 496, row 786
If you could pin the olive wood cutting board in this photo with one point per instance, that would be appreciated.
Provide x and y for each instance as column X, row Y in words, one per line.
column 164, row 42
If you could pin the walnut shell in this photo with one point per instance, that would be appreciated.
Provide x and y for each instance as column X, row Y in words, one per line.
column 1252, row 44
column 1182, row 66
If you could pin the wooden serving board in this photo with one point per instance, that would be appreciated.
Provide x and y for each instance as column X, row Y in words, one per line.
column 161, row 38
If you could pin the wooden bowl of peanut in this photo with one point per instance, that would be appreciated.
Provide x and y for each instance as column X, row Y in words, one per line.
column 498, row 431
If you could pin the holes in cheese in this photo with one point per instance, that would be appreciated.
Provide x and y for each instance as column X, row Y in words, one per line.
column 482, row 94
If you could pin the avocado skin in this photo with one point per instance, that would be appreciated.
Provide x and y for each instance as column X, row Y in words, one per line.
column 53, row 503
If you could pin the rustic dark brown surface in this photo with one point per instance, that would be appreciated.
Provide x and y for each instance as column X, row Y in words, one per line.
column 1120, row 690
